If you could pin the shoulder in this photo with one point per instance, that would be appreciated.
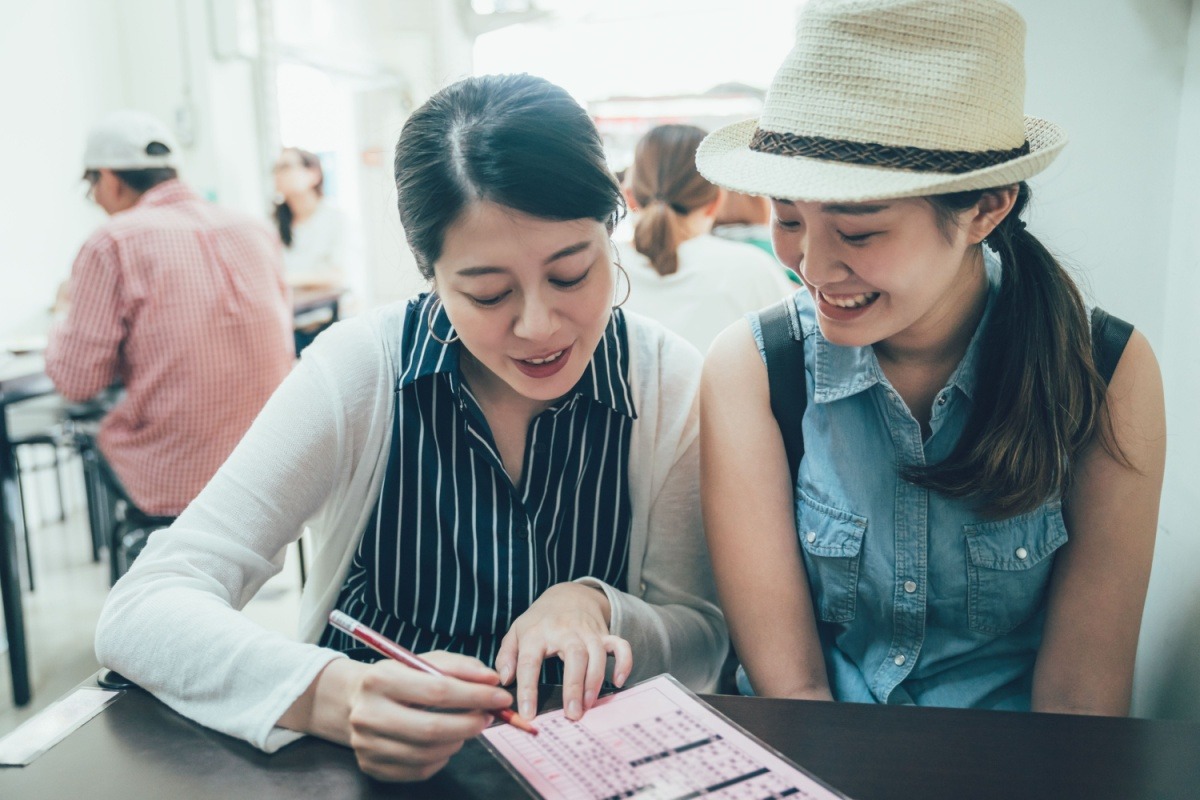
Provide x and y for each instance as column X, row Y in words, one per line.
column 657, row 349
column 360, row 346
column 664, row 367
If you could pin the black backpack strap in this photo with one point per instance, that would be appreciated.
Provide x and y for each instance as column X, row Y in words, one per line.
column 1109, row 337
column 786, row 378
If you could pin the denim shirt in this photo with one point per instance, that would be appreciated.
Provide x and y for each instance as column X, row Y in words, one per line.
column 919, row 599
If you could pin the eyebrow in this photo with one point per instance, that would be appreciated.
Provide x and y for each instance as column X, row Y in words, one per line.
column 570, row 250
column 855, row 210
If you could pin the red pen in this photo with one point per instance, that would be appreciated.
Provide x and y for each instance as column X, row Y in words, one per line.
column 381, row 644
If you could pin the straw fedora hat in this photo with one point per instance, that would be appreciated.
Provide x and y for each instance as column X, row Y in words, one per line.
column 881, row 99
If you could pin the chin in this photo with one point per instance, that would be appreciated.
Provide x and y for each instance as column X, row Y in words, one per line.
column 846, row 336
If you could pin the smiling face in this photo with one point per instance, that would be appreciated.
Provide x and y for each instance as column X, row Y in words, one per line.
column 884, row 270
column 529, row 298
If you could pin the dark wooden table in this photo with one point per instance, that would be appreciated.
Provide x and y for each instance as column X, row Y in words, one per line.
column 21, row 378
column 138, row 748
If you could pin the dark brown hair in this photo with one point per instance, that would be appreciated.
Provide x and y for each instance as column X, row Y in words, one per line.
column 667, row 187
column 1038, row 399
column 283, row 212
column 515, row 140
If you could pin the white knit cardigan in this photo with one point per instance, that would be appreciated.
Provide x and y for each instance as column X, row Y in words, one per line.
column 318, row 453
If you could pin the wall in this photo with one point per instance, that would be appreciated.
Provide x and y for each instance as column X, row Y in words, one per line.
column 67, row 62
column 1168, row 680
column 61, row 71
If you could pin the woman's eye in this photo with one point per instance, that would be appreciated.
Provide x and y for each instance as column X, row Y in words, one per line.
column 787, row 224
column 857, row 238
column 488, row 301
column 566, row 284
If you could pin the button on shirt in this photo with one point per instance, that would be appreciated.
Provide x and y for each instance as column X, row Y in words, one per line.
column 185, row 304
column 918, row 599
column 454, row 552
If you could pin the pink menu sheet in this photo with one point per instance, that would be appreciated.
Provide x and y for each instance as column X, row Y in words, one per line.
column 652, row 741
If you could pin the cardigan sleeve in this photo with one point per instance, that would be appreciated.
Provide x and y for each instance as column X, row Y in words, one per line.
column 670, row 617
column 174, row 625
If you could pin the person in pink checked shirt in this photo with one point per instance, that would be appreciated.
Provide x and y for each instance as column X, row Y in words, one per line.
column 181, row 301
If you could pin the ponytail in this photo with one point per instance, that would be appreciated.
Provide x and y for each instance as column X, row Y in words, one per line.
column 667, row 187
column 1038, row 400
column 658, row 234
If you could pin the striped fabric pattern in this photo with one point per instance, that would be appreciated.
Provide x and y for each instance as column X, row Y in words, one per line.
column 454, row 552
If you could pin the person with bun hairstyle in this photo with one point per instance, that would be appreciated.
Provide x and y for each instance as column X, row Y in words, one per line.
column 504, row 470
column 971, row 519
column 680, row 274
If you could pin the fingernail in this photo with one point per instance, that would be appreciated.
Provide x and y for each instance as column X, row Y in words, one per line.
column 502, row 699
column 573, row 710
column 619, row 679
column 526, row 709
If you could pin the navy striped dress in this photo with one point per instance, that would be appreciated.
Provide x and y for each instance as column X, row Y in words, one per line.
column 453, row 551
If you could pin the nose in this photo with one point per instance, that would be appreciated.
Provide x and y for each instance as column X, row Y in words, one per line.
column 537, row 320
column 819, row 262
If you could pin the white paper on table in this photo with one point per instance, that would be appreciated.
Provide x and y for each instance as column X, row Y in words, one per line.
column 53, row 724
column 652, row 741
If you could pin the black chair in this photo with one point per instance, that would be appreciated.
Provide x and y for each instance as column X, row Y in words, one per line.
column 36, row 427
column 115, row 520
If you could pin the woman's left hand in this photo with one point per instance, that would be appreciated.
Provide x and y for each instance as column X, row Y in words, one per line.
column 570, row 621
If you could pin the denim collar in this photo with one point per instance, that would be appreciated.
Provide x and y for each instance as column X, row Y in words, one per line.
column 840, row 372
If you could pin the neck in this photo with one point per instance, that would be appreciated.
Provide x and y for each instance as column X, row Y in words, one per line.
column 941, row 337
column 493, row 393
column 303, row 205
column 697, row 223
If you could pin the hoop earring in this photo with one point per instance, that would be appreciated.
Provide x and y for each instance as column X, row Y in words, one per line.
column 621, row 269
column 434, row 307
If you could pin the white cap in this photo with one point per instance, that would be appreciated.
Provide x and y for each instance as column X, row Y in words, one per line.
column 121, row 141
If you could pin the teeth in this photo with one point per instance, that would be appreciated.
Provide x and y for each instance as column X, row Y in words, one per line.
column 852, row 301
column 547, row 359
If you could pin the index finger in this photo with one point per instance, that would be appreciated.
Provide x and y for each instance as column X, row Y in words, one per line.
column 412, row 687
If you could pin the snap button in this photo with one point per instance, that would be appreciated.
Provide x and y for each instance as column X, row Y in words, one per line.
column 811, row 536
column 900, row 659
column 642, row 586
column 910, row 586
column 523, row 531
column 1022, row 553
column 941, row 401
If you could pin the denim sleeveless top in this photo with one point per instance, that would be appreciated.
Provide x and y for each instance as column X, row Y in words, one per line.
column 919, row 600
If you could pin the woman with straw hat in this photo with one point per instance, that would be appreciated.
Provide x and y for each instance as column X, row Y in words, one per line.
column 972, row 520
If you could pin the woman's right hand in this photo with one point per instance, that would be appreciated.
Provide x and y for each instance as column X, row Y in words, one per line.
column 403, row 724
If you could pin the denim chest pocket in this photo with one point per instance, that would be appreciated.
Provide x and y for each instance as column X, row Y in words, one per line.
column 1008, row 567
column 831, row 541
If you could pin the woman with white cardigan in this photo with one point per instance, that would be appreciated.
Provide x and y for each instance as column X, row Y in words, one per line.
column 506, row 469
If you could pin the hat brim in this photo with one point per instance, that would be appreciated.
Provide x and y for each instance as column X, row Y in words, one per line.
column 725, row 158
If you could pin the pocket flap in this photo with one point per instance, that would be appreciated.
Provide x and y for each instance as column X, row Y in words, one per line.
column 1018, row 543
column 826, row 531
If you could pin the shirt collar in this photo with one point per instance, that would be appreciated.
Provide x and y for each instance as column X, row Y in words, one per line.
column 840, row 372
column 167, row 192
column 604, row 381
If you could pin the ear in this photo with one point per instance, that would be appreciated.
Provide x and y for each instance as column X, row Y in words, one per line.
column 632, row 203
column 990, row 211
column 710, row 210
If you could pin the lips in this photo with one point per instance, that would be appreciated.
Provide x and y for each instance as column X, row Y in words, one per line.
column 545, row 364
column 859, row 300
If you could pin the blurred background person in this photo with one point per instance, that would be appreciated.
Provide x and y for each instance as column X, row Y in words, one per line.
column 312, row 229
column 679, row 273
column 747, row 218
column 744, row 218
column 180, row 301
column 315, row 236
